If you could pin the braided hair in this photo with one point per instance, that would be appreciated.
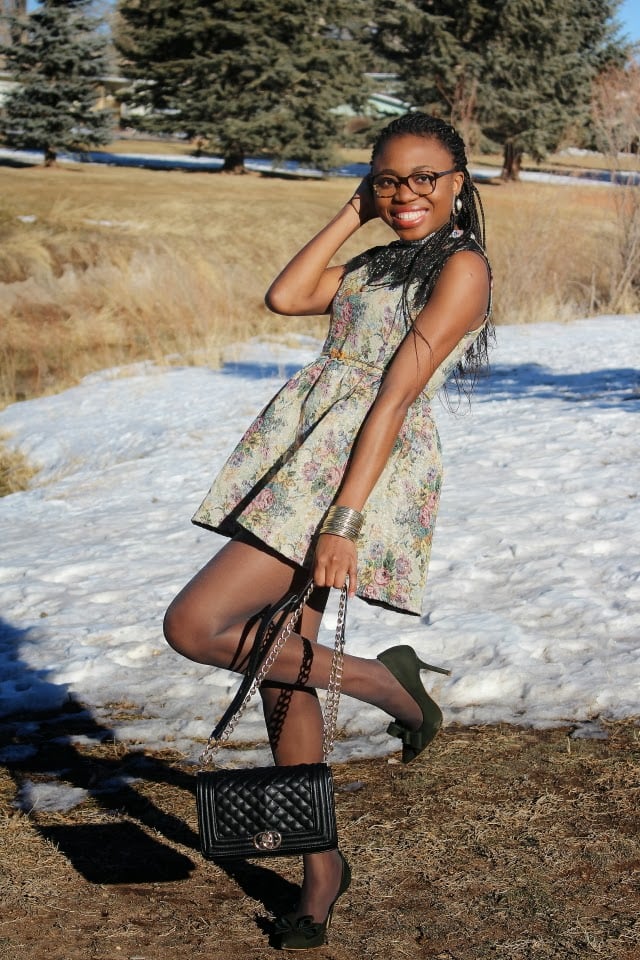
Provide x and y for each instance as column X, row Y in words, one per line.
column 416, row 265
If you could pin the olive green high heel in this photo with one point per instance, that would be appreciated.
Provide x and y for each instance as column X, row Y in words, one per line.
column 302, row 933
column 405, row 665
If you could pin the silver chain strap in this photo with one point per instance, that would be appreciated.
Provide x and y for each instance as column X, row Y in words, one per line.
column 335, row 679
column 333, row 688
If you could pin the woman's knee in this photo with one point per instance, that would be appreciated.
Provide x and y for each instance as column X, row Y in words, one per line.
column 198, row 635
column 183, row 632
column 173, row 627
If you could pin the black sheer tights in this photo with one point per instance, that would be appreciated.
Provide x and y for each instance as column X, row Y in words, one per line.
column 213, row 621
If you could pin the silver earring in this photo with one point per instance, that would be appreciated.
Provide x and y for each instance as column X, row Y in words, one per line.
column 457, row 205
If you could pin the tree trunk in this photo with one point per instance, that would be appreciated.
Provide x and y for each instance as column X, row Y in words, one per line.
column 234, row 160
column 200, row 144
column 511, row 162
column 50, row 156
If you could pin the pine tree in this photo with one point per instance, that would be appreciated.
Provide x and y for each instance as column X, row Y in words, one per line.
column 540, row 66
column 247, row 75
column 57, row 58
column 515, row 73
column 437, row 48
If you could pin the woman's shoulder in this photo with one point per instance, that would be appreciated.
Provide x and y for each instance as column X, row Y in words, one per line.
column 466, row 256
column 467, row 273
column 466, row 268
column 467, row 243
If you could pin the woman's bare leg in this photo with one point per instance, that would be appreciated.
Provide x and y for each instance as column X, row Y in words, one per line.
column 296, row 729
column 213, row 620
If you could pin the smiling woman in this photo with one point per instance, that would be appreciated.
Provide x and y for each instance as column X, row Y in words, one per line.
column 338, row 479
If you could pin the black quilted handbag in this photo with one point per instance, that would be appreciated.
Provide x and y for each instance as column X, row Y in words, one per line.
column 267, row 811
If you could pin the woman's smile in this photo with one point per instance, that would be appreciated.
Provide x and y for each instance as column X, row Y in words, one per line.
column 408, row 216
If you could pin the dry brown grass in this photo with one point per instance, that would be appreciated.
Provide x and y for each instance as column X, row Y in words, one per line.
column 153, row 147
column 103, row 266
column 550, row 248
column 15, row 471
column 121, row 265
column 501, row 844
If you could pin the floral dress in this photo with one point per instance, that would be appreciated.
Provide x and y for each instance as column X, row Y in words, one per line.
column 286, row 470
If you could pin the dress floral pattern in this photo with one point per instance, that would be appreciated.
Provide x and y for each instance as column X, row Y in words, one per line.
column 286, row 470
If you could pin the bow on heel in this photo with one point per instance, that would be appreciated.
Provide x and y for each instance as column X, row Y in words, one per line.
column 405, row 665
column 301, row 933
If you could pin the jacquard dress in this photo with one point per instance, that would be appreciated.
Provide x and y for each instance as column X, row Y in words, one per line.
column 286, row 470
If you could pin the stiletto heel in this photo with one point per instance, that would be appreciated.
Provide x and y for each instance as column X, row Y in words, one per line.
column 428, row 666
column 405, row 665
column 302, row 933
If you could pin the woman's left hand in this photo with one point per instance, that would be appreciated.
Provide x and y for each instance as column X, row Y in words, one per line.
column 363, row 201
column 335, row 561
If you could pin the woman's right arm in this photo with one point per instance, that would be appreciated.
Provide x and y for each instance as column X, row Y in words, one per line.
column 307, row 285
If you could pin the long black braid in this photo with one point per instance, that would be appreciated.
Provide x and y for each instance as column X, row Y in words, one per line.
column 416, row 265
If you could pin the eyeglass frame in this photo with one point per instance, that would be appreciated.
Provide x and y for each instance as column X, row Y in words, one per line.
column 432, row 176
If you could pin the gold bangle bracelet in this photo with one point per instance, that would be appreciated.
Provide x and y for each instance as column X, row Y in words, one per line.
column 343, row 522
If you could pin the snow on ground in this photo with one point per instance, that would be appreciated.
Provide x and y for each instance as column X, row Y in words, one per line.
column 533, row 598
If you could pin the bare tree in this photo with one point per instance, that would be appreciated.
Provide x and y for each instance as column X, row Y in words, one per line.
column 615, row 109
column 616, row 118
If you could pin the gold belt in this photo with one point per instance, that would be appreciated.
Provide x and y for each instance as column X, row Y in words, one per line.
column 335, row 354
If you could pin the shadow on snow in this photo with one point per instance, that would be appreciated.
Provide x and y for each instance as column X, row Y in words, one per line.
column 601, row 388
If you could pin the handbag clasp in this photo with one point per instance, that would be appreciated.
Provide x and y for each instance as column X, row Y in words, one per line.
column 267, row 840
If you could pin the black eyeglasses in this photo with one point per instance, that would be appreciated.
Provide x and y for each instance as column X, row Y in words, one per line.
column 422, row 184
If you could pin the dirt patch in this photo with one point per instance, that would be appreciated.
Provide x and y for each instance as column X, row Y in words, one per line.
column 502, row 843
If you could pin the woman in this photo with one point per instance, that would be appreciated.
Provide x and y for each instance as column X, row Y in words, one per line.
column 340, row 474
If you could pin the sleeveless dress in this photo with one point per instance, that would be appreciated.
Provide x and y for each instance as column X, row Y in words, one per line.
column 286, row 470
